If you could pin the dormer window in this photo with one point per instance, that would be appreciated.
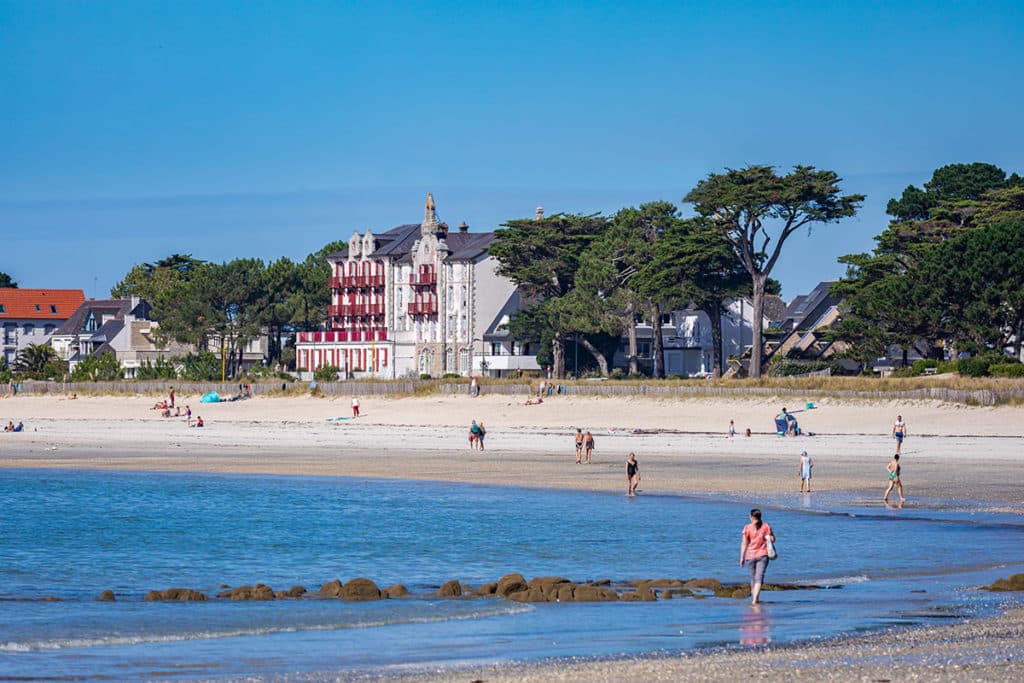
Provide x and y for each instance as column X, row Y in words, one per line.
column 90, row 323
column 53, row 308
column 2, row 309
column 38, row 308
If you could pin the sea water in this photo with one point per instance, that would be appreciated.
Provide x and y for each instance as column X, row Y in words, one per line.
column 71, row 535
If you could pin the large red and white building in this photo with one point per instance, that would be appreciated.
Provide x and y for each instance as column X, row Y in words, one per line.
column 416, row 300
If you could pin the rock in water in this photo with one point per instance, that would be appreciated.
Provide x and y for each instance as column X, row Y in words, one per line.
column 175, row 594
column 293, row 592
column 397, row 591
column 511, row 583
column 359, row 590
column 258, row 592
column 331, row 588
column 1012, row 583
column 451, row 589
column 107, row 596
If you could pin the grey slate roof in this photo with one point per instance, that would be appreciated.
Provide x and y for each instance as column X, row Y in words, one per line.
column 397, row 243
column 118, row 308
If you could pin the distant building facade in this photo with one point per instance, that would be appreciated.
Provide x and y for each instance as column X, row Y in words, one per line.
column 31, row 316
column 686, row 338
column 123, row 327
column 415, row 300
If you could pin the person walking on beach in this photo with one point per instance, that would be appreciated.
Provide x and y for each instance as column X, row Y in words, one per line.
column 588, row 446
column 732, row 429
column 474, row 435
column 481, row 433
column 754, row 550
column 543, row 388
column 188, row 415
column 806, row 465
column 474, row 389
column 170, row 398
column 899, row 432
column 579, row 445
column 632, row 475
column 355, row 406
column 894, row 480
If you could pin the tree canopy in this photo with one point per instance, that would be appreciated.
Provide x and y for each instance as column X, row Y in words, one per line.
column 756, row 211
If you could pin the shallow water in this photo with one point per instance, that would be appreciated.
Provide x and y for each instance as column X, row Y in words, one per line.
column 73, row 534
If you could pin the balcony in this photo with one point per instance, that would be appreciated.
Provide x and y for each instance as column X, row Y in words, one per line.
column 335, row 336
column 423, row 308
column 356, row 281
column 356, row 310
column 425, row 277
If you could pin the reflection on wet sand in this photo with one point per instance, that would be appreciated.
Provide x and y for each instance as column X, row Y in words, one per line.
column 756, row 626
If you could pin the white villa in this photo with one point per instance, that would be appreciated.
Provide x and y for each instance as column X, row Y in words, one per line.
column 416, row 300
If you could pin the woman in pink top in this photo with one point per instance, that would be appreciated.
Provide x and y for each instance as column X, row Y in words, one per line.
column 754, row 550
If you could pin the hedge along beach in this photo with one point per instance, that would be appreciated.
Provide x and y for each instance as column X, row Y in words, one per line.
column 684, row 451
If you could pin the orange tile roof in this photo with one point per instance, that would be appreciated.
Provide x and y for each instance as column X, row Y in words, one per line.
column 39, row 304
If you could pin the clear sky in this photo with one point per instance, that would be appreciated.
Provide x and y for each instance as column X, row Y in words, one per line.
column 132, row 130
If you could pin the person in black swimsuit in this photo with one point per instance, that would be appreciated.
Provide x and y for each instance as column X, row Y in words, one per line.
column 632, row 475
column 579, row 445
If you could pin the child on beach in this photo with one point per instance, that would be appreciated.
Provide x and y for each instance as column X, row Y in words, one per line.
column 355, row 406
column 632, row 475
column 806, row 464
column 732, row 429
column 199, row 421
column 894, row 480
column 748, row 431
column 188, row 415
column 588, row 445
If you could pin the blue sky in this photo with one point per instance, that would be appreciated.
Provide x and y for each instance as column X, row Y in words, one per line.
column 131, row 130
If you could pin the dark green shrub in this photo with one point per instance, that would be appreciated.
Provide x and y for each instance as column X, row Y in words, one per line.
column 326, row 373
column 426, row 375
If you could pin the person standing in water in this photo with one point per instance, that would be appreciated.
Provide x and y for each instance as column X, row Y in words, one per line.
column 754, row 551
column 899, row 432
column 632, row 475
column 894, row 480
column 806, row 464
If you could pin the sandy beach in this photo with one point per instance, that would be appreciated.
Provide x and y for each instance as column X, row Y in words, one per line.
column 954, row 452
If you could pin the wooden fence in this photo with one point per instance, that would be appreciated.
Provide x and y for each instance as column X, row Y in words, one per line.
column 984, row 397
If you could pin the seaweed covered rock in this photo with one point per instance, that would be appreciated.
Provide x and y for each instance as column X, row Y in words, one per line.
column 511, row 583
column 293, row 592
column 451, row 589
column 331, row 589
column 258, row 592
column 175, row 594
column 707, row 584
column 107, row 596
column 358, row 590
column 1011, row 583
column 397, row 591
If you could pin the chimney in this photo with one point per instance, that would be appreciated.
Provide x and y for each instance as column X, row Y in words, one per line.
column 539, row 216
column 463, row 227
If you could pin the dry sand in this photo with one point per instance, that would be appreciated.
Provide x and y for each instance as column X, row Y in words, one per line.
column 953, row 452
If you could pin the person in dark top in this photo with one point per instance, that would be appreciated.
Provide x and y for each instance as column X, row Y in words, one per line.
column 632, row 475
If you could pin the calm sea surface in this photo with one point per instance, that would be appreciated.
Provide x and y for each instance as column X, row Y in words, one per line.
column 71, row 535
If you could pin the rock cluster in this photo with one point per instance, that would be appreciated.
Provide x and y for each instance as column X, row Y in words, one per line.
column 513, row 586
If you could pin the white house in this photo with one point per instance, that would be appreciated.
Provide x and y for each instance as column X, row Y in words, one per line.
column 414, row 300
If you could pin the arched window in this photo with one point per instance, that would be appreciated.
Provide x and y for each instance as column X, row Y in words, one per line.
column 450, row 360
column 424, row 361
column 464, row 365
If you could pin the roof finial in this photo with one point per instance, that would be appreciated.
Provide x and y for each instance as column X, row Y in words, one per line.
column 429, row 224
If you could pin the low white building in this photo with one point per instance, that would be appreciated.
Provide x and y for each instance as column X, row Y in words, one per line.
column 686, row 336
column 415, row 300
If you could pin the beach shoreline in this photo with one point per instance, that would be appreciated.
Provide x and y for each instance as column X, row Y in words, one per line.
column 682, row 449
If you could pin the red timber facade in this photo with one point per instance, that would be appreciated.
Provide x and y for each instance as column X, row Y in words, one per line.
column 413, row 300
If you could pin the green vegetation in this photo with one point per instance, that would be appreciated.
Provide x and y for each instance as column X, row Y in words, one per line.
column 7, row 281
column 98, row 367
column 326, row 373
column 949, row 270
